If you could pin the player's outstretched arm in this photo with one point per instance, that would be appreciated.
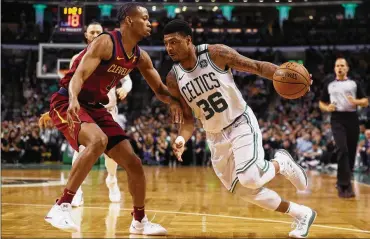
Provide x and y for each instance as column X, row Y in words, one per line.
column 152, row 77
column 223, row 56
column 187, row 128
column 100, row 49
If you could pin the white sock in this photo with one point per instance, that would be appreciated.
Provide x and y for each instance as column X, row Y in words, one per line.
column 295, row 210
column 111, row 166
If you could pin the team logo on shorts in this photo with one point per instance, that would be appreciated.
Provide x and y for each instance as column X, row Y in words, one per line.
column 203, row 64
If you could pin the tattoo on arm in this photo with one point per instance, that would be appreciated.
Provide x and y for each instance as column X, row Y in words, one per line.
column 164, row 91
column 172, row 87
column 230, row 57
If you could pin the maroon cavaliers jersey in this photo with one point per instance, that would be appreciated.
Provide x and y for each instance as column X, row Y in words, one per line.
column 107, row 74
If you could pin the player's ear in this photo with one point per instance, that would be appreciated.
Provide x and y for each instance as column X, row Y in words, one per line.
column 128, row 20
column 188, row 40
column 85, row 35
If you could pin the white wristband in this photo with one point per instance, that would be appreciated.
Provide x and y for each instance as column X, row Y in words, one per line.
column 180, row 140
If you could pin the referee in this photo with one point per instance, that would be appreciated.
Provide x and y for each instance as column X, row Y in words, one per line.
column 341, row 96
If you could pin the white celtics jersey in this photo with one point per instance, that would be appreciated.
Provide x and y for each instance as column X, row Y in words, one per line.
column 210, row 92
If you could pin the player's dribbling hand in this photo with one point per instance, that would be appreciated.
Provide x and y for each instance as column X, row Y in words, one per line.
column 72, row 112
column 44, row 120
column 176, row 112
column 178, row 147
column 121, row 93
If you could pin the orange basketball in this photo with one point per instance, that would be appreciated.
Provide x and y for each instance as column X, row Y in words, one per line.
column 291, row 80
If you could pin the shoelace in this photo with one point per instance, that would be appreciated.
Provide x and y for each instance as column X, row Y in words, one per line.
column 151, row 223
column 299, row 223
column 289, row 172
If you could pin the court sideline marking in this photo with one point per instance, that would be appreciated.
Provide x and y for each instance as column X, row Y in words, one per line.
column 198, row 214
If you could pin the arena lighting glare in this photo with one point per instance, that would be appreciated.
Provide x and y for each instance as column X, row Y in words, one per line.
column 200, row 7
column 184, row 8
column 230, row 0
column 177, row 10
column 261, row 0
column 213, row 0
column 245, row 0
column 154, row 8
column 277, row 0
column 289, row 0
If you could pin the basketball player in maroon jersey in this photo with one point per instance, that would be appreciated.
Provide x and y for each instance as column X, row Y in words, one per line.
column 77, row 111
column 93, row 30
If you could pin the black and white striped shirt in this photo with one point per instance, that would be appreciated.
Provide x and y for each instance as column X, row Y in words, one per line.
column 336, row 92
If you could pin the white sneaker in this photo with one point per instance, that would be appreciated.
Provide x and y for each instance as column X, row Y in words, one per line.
column 302, row 225
column 60, row 217
column 291, row 170
column 78, row 199
column 114, row 193
column 147, row 228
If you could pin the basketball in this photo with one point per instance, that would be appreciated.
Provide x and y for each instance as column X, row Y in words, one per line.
column 291, row 80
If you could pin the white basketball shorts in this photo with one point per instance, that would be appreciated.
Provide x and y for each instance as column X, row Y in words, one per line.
column 236, row 148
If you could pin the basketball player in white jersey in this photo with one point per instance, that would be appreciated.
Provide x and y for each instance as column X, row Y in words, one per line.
column 201, row 78
column 92, row 31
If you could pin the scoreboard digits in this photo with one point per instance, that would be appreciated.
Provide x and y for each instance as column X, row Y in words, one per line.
column 71, row 19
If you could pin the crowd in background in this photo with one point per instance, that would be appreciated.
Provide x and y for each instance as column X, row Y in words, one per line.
column 298, row 126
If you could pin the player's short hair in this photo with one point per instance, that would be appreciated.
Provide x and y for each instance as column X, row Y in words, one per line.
column 178, row 26
column 94, row 23
column 126, row 9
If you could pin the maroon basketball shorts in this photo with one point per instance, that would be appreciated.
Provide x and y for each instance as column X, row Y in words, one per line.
column 89, row 113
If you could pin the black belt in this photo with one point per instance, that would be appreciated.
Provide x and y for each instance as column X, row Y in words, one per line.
column 63, row 91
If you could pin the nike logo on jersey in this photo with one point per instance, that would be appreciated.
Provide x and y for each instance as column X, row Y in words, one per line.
column 181, row 77
column 120, row 58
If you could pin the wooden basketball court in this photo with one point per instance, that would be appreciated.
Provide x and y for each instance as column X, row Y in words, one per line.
column 189, row 202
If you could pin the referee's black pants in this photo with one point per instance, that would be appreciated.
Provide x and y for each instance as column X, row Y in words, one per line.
column 345, row 128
